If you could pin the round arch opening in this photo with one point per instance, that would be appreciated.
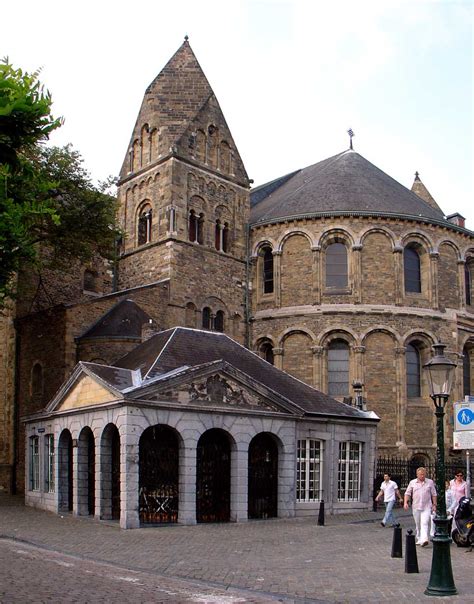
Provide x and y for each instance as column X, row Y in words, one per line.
column 263, row 477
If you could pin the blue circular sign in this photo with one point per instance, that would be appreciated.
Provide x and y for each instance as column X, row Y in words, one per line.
column 465, row 417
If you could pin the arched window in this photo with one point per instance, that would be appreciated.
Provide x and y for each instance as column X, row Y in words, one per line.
column 466, row 372
column 267, row 272
column 219, row 321
column 37, row 381
column 467, row 282
column 412, row 270
column 196, row 227
column 206, row 318
column 266, row 352
column 413, row 363
column 218, row 235
column 336, row 265
column 144, row 225
column 338, row 368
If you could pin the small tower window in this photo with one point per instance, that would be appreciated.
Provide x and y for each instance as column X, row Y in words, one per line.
column 467, row 282
column 219, row 321
column 413, row 368
column 37, row 381
column 466, row 372
column 144, row 225
column 206, row 318
column 196, row 227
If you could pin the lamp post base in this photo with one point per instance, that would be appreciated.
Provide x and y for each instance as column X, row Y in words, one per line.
column 441, row 581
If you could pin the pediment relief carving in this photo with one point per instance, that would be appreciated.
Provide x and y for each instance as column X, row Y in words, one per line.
column 219, row 391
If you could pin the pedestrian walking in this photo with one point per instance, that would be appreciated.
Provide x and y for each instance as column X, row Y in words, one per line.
column 459, row 486
column 390, row 493
column 421, row 492
column 451, row 504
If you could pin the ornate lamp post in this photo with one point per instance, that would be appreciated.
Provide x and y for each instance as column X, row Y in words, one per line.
column 440, row 376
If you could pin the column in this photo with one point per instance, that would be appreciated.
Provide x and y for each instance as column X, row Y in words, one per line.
column 277, row 277
column 359, row 366
column 317, row 366
column 187, row 483
column 316, row 249
column 357, row 264
column 433, row 290
column 129, row 479
column 103, row 484
column 401, row 400
column 278, row 357
column 462, row 284
column 239, row 486
column 398, row 260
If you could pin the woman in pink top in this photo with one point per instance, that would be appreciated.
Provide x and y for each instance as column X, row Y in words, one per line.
column 459, row 486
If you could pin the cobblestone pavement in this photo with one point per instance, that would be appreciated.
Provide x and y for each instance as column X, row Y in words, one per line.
column 294, row 560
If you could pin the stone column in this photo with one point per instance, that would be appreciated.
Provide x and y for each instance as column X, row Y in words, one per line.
column 80, row 474
column 278, row 357
column 357, row 264
column 102, row 487
column 286, row 480
column 317, row 285
column 359, row 366
column 401, row 393
column 462, row 284
column 239, row 487
column 433, row 290
column 317, row 366
column 187, row 482
column 398, row 260
column 129, row 479
column 277, row 277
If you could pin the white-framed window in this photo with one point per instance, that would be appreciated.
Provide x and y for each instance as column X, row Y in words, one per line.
column 349, row 471
column 34, row 463
column 49, row 455
column 309, row 470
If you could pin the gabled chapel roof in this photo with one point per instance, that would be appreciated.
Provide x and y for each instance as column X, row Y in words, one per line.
column 184, row 347
column 346, row 183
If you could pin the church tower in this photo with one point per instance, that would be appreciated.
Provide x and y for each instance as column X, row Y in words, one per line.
column 184, row 201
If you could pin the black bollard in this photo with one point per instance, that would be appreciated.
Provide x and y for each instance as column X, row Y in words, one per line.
column 411, row 559
column 321, row 513
column 397, row 542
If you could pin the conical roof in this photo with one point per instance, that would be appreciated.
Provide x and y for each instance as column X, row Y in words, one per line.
column 419, row 189
column 344, row 183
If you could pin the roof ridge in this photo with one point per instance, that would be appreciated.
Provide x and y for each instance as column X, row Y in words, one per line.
column 173, row 331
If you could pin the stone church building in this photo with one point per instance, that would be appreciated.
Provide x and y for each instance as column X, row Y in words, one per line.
column 335, row 273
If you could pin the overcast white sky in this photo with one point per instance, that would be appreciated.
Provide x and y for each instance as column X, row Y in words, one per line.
column 291, row 77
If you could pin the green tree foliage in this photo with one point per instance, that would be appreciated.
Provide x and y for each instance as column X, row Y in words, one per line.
column 47, row 199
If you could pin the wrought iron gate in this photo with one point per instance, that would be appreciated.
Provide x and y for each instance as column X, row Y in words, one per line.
column 263, row 477
column 213, row 477
column 159, row 476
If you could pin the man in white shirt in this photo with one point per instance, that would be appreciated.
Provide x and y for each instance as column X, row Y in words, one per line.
column 390, row 492
column 422, row 492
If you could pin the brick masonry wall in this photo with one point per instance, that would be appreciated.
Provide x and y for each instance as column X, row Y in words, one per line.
column 7, row 395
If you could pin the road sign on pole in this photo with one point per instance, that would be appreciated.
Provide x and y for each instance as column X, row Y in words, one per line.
column 463, row 439
column 464, row 416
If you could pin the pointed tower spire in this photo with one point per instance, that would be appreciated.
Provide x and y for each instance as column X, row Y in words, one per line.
column 419, row 189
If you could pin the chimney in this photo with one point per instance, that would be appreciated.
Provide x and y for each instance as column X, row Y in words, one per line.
column 457, row 219
column 149, row 329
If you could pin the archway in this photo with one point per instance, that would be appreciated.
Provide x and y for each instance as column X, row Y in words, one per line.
column 110, row 472
column 86, row 473
column 159, row 475
column 213, row 477
column 65, row 483
column 263, row 477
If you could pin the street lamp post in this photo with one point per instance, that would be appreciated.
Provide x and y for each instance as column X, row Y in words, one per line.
column 440, row 376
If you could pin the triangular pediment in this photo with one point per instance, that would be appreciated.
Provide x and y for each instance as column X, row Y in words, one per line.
column 215, row 385
column 85, row 392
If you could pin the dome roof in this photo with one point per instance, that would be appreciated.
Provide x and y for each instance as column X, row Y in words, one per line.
column 344, row 184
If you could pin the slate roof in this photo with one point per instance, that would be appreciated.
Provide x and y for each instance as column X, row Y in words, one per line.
column 344, row 183
column 124, row 320
column 184, row 347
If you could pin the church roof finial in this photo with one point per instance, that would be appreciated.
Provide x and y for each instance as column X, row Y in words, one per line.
column 186, row 38
column 351, row 134
column 417, row 175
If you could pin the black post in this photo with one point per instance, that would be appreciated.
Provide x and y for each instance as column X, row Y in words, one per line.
column 321, row 513
column 397, row 542
column 411, row 559
column 441, row 581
